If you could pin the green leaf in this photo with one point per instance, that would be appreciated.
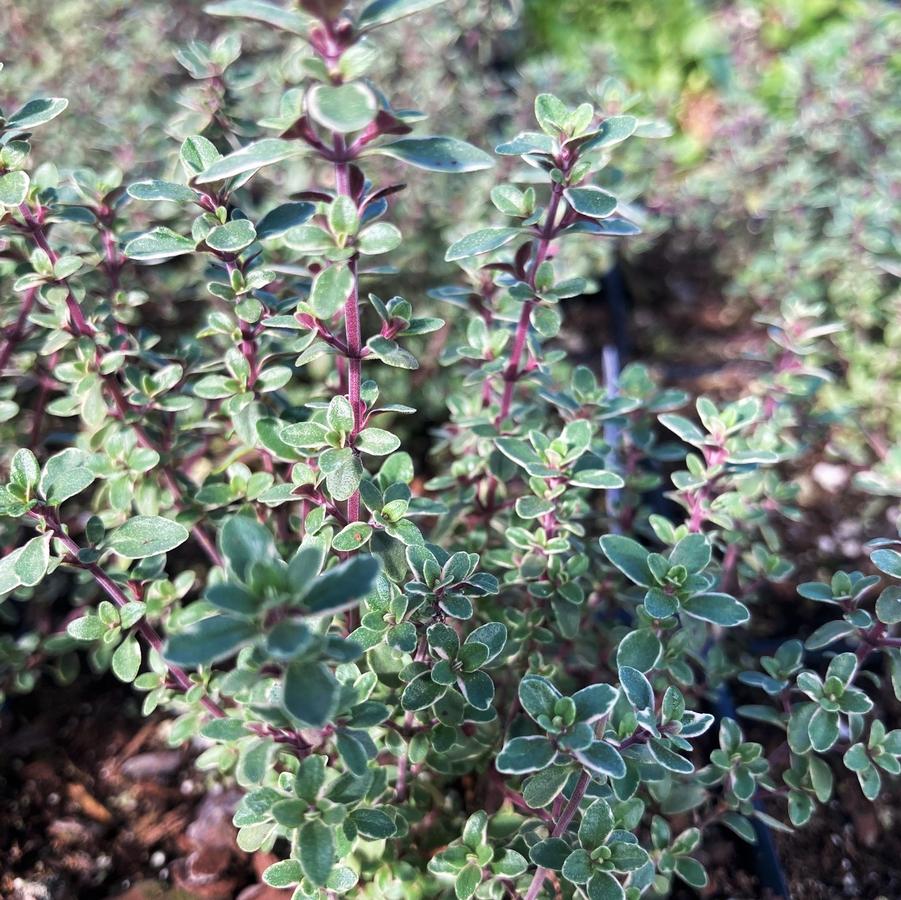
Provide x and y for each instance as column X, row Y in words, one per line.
column 283, row 874
column 309, row 435
column 611, row 131
column 65, row 475
column 629, row 557
column 577, row 868
column 342, row 879
column 283, row 218
column 343, row 216
column 340, row 414
column 527, row 142
column 33, row 560
column 799, row 727
column 343, row 108
column 310, row 693
column 509, row 864
column 870, row 782
column 382, row 237
column 639, row 649
column 888, row 561
column 828, row 634
column 24, row 471
column 154, row 189
column 374, row 824
column 342, row 587
column 596, row 825
column 421, row 693
column 144, row 536
column 519, row 451
column 36, row 112
column 437, row 154
column 160, row 243
column 532, row 507
column 231, row 237
column 244, row 541
column 637, row 688
column 594, row 702
column 477, row 688
column 391, row 353
column 376, row 442
column 856, row 758
column 669, row 759
column 261, row 11
column 545, row 785
column 525, row 754
column 209, row 640
column 316, row 849
column 381, row 12
column 289, row 813
column 888, row 605
column 627, row 857
column 13, row 188
column 331, row 288
column 551, row 114
column 254, row 156
column 224, row 730
column 550, row 853
column 693, row 552
column 603, row 886
column 492, row 635
column 196, row 154
column 720, row 609
column 287, row 639
column 684, row 428
column 479, row 242
column 591, row 201
column 343, row 472
column 538, row 696
column 823, row 730
column 352, row 537
column 597, row 479
column 126, row 660
column 600, row 757
column 467, row 881
column 87, row 628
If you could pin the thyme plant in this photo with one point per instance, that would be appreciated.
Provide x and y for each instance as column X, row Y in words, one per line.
column 499, row 682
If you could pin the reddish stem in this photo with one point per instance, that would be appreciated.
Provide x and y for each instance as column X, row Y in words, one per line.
column 40, row 406
column 79, row 325
column 166, row 473
column 145, row 629
column 352, row 333
column 15, row 334
column 513, row 372
column 562, row 824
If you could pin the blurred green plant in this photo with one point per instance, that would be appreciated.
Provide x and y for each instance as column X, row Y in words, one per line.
column 795, row 206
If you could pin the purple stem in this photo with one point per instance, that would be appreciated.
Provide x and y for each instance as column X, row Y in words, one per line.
column 80, row 326
column 513, row 372
column 352, row 334
column 15, row 334
column 145, row 629
column 562, row 824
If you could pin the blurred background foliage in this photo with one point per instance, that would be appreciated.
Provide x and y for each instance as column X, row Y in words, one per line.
column 778, row 188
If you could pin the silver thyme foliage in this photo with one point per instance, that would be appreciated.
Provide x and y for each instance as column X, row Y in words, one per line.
column 500, row 681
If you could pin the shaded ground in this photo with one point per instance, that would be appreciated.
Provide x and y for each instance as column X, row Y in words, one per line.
column 93, row 801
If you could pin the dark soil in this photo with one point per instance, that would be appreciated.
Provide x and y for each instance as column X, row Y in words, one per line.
column 94, row 804
column 852, row 848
